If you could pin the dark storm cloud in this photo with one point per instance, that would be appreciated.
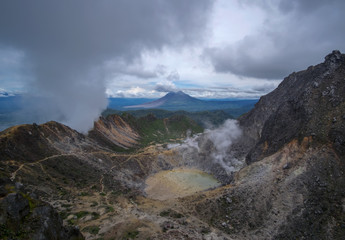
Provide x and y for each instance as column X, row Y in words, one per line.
column 295, row 34
column 67, row 42
column 136, row 69
column 264, row 88
column 303, row 6
column 230, row 92
column 165, row 87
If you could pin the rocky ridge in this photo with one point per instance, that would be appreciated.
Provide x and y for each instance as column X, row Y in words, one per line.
column 306, row 103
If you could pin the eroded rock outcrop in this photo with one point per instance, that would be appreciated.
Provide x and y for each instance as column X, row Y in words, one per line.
column 22, row 217
column 113, row 131
column 306, row 103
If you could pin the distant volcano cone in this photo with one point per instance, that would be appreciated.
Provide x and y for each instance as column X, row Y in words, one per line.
column 171, row 99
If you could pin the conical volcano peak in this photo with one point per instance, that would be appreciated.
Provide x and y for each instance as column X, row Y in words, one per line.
column 177, row 95
column 181, row 93
column 172, row 99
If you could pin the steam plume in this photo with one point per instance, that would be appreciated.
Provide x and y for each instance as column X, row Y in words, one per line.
column 222, row 139
column 216, row 144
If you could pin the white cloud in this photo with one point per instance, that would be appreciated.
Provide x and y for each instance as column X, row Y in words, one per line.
column 133, row 92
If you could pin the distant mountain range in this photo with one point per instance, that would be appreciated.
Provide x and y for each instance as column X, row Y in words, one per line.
column 174, row 101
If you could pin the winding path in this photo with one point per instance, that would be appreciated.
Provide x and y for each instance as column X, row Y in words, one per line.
column 14, row 174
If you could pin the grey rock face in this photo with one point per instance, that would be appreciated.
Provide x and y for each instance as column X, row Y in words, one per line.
column 333, row 59
column 24, row 218
column 306, row 103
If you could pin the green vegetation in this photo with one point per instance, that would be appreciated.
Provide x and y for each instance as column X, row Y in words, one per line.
column 91, row 229
column 81, row 214
column 32, row 203
column 171, row 213
column 131, row 234
column 71, row 222
column 7, row 233
column 164, row 213
column 203, row 118
column 95, row 215
column 109, row 209
column 154, row 130
column 63, row 214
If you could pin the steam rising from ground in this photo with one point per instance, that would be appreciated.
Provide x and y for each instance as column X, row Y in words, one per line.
column 216, row 144
column 222, row 139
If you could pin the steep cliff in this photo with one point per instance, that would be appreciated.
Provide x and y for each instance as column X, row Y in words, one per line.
column 306, row 103
column 114, row 132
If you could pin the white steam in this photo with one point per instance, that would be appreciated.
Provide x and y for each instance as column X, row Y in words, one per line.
column 216, row 144
column 222, row 139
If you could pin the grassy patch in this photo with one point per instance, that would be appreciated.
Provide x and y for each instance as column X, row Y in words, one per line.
column 64, row 214
column 164, row 213
column 153, row 130
column 95, row 215
column 131, row 234
column 66, row 205
column 7, row 233
column 32, row 202
column 109, row 209
column 177, row 215
column 91, row 229
column 71, row 222
column 81, row 214
column 171, row 213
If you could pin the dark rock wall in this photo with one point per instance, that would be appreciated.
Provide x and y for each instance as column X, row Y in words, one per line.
column 22, row 217
column 307, row 103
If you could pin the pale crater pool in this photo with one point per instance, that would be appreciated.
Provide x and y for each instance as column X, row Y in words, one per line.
column 179, row 182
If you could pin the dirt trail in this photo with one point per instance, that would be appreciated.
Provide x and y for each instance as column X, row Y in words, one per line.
column 101, row 183
column 14, row 174
column 165, row 125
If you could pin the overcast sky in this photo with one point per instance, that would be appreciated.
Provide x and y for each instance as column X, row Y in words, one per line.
column 82, row 51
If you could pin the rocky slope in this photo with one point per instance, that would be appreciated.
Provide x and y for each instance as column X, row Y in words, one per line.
column 113, row 131
column 24, row 217
column 306, row 103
